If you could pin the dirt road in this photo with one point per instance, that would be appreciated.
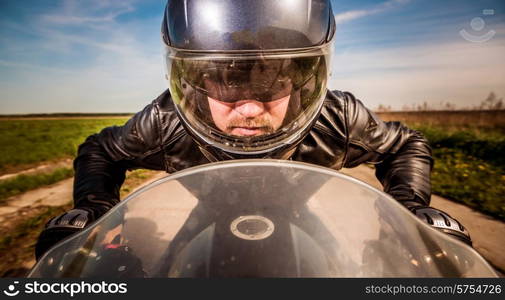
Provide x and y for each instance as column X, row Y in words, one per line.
column 487, row 233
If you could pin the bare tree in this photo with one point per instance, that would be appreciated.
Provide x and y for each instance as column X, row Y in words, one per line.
column 492, row 102
column 449, row 106
column 423, row 107
column 407, row 107
column 383, row 108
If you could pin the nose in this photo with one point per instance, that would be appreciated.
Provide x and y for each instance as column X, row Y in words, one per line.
column 249, row 108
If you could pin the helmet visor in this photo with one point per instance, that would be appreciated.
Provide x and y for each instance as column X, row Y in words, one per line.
column 247, row 102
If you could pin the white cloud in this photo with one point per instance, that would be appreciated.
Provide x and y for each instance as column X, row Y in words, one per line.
column 78, row 13
column 460, row 72
column 119, row 71
column 355, row 14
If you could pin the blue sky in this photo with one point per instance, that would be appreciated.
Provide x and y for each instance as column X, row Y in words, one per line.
column 105, row 55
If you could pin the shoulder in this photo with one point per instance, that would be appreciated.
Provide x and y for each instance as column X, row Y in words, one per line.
column 333, row 117
column 343, row 103
column 358, row 117
column 144, row 133
column 169, row 125
column 335, row 98
column 334, row 113
column 344, row 112
column 346, row 102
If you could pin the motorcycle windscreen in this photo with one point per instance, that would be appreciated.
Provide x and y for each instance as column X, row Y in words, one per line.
column 260, row 218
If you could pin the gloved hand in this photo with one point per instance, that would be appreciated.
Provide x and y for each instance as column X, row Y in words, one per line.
column 440, row 220
column 62, row 226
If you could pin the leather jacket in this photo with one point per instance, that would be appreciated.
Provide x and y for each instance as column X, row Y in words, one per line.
column 346, row 134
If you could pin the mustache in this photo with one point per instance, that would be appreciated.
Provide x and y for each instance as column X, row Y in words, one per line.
column 259, row 122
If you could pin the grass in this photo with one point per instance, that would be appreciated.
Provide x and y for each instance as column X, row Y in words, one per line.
column 485, row 143
column 18, row 238
column 26, row 143
column 470, row 180
column 29, row 142
column 133, row 180
column 17, row 246
column 23, row 183
column 24, row 228
column 469, row 166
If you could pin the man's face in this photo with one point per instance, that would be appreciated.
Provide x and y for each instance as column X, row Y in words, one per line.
column 248, row 117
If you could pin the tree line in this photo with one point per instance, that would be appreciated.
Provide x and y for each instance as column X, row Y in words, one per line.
column 491, row 102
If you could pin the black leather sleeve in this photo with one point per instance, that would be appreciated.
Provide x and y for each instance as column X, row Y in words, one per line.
column 97, row 178
column 104, row 158
column 402, row 156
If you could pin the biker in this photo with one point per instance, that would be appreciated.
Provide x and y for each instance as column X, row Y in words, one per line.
column 247, row 79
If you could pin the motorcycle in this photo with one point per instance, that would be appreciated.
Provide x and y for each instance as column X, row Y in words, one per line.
column 260, row 218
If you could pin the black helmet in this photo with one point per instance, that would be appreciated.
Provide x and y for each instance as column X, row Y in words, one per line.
column 248, row 77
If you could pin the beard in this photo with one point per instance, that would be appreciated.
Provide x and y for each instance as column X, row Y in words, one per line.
column 262, row 124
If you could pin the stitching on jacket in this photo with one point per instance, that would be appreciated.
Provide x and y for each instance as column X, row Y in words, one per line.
column 408, row 138
column 346, row 128
column 174, row 138
column 160, row 137
column 324, row 130
column 363, row 145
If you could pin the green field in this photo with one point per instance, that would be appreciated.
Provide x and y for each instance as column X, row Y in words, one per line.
column 22, row 183
column 469, row 165
column 19, row 235
column 469, row 161
column 29, row 142
column 469, row 168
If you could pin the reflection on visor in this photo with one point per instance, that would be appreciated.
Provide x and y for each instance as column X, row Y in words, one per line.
column 248, row 103
column 260, row 80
